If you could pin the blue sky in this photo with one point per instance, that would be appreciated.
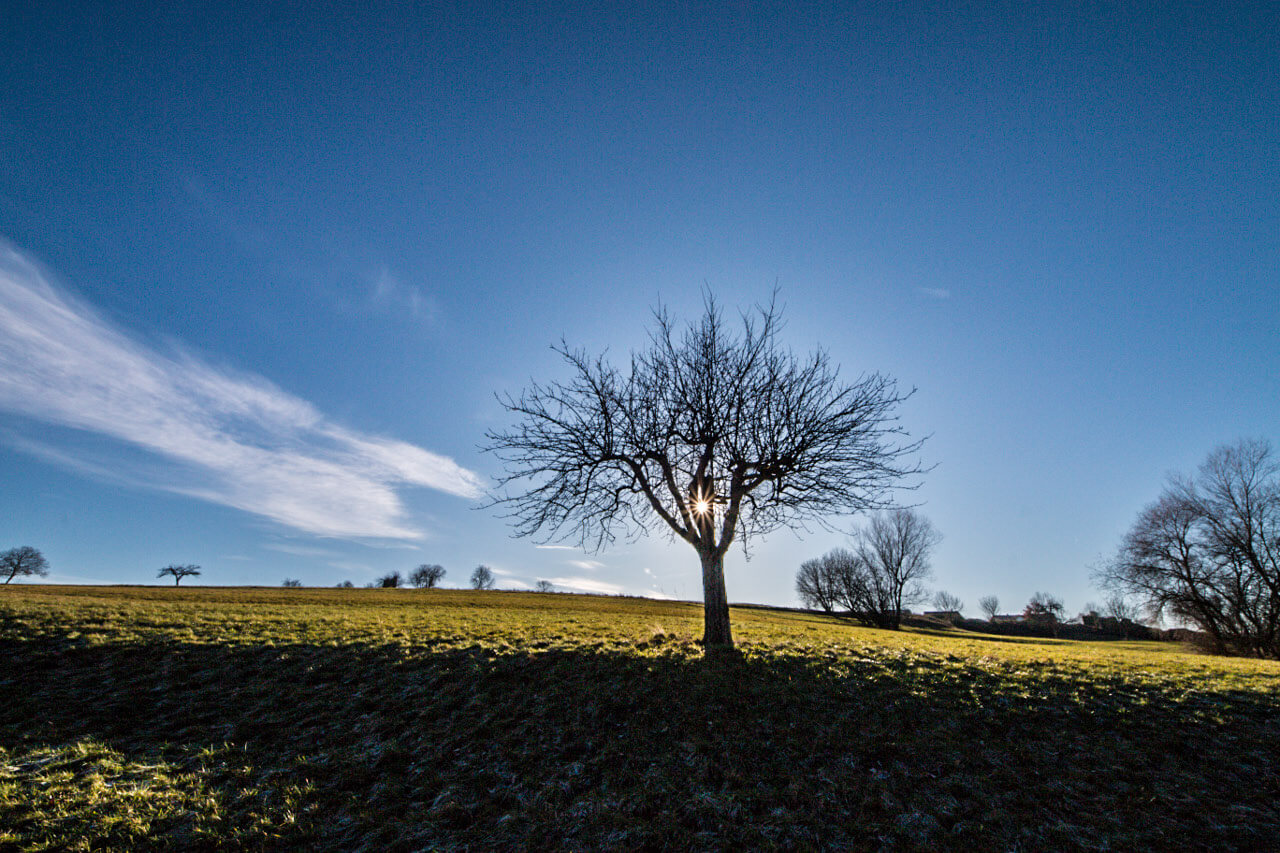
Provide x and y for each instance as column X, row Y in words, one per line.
column 264, row 267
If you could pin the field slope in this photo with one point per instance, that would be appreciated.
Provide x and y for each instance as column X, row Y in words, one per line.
column 159, row 718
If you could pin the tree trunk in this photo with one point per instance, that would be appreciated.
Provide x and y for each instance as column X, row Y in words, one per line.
column 715, row 604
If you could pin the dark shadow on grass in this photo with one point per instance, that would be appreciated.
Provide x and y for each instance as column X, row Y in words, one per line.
column 406, row 748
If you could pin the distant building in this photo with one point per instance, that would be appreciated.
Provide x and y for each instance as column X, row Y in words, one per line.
column 1008, row 618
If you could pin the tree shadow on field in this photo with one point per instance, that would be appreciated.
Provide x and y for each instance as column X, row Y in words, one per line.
column 992, row 638
column 391, row 747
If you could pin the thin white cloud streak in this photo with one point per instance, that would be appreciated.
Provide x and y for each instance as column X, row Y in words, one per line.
column 580, row 584
column 241, row 441
column 556, row 547
column 389, row 292
column 589, row 565
column 300, row 550
column 935, row 292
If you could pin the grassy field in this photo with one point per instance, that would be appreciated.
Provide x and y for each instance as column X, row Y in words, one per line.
column 160, row 718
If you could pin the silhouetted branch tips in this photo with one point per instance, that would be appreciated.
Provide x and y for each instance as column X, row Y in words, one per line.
column 714, row 433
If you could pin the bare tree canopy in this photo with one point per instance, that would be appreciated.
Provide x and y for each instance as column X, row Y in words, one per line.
column 1118, row 607
column 23, row 560
column 1044, row 607
column 1208, row 550
column 823, row 582
column 427, row 576
column 178, row 572
column 947, row 602
column 482, row 578
column 893, row 551
column 883, row 575
column 711, row 433
column 990, row 606
column 544, row 586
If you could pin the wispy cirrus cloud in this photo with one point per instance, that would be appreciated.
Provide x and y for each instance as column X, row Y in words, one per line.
column 581, row 584
column 236, row 439
column 391, row 293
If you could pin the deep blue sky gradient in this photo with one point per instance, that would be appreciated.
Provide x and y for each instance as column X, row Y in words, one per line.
column 1059, row 224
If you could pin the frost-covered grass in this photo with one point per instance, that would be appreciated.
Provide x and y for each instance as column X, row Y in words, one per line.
column 161, row 718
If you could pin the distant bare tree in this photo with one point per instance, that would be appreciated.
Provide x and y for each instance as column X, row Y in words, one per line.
column 822, row 582
column 179, row 572
column 1045, row 609
column 391, row 580
column 426, row 576
column 708, row 434
column 23, row 560
column 346, row 585
column 544, row 586
column 990, row 606
column 1208, row 550
column 292, row 583
column 1119, row 607
column 947, row 602
column 482, row 578
column 893, row 564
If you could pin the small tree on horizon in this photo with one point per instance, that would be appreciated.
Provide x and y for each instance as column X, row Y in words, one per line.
column 990, row 606
column 391, row 580
column 178, row 572
column 292, row 583
column 544, row 586
column 482, row 578
column 426, row 576
column 23, row 560
column 947, row 602
column 711, row 434
column 1045, row 609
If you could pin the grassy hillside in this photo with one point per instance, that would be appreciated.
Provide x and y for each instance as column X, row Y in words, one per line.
column 160, row 718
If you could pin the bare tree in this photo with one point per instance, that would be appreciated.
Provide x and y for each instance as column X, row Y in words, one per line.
column 391, row 580
column 823, row 582
column 947, row 602
column 1045, row 609
column 544, row 586
column 292, row 583
column 990, row 606
column 346, row 585
column 1120, row 608
column 23, row 560
column 1208, row 550
column 893, row 564
column 426, row 576
column 178, row 572
column 482, row 578
column 710, row 434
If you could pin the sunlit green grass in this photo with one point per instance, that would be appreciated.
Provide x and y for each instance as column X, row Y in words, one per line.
column 162, row 718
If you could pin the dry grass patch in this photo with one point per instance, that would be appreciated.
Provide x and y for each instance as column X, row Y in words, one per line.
column 148, row 718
